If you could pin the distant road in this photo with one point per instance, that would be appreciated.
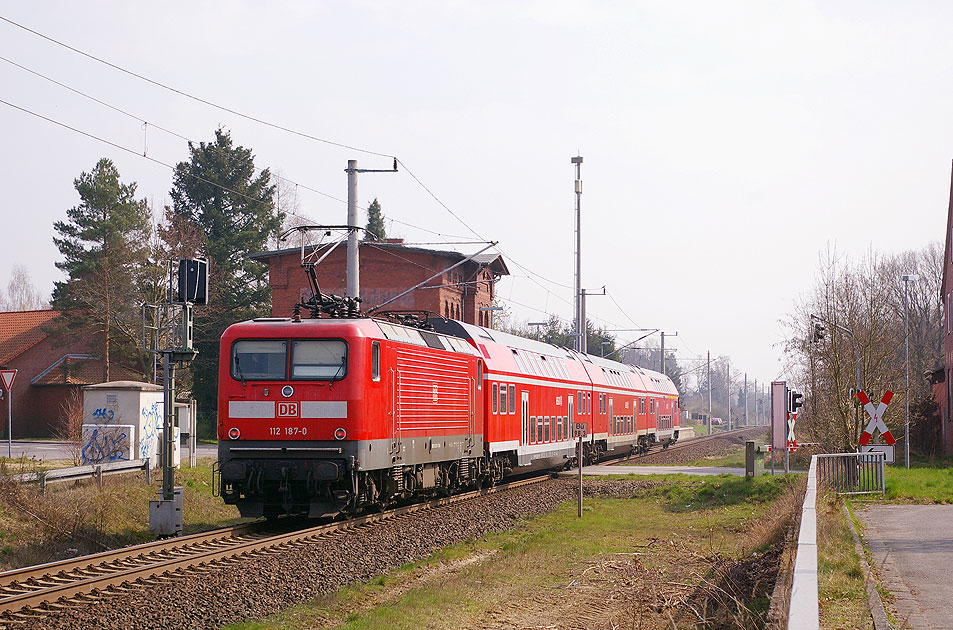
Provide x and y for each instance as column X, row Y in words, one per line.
column 47, row 450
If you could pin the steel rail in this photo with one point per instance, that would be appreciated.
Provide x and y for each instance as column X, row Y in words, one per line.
column 29, row 605
column 40, row 571
column 694, row 442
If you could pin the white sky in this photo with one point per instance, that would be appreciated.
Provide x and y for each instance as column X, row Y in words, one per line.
column 725, row 143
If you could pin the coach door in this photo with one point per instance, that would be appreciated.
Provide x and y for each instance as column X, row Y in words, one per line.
column 525, row 411
column 396, row 404
column 572, row 417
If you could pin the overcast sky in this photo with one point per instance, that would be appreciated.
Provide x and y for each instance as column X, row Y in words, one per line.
column 725, row 143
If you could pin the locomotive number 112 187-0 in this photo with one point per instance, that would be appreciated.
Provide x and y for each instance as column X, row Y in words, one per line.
column 287, row 430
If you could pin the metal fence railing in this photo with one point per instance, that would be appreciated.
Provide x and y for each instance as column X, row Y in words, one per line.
column 58, row 475
column 852, row 473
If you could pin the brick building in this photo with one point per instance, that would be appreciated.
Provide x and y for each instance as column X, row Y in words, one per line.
column 48, row 370
column 942, row 379
column 387, row 269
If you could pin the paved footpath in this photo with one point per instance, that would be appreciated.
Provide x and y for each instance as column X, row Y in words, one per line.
column 49, row 449
column 912, row 549
column 653, row 470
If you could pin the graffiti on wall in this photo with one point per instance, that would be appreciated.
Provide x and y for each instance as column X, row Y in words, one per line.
column 151, row 426
column 105, row 443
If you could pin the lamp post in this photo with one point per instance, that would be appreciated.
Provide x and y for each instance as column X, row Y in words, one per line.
column 906, row 360
column 604, row 344
column 537, row 325
column 850, row 333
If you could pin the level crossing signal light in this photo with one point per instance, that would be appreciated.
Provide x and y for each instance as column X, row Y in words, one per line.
column 795, row 401
column 819, row 332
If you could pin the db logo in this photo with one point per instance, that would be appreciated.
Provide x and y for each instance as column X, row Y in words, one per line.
column 287, row 410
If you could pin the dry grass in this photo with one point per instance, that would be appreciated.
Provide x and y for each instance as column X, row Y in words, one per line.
column 774, row 525
column 77, row 518
column 644, row 562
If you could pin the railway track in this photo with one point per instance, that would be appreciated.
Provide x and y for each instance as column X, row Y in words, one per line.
column 729, row 437
column 28, row 594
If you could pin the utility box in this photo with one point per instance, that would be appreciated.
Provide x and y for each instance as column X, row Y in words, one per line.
column 754, row 462
column 125, row 403
column 165, row 517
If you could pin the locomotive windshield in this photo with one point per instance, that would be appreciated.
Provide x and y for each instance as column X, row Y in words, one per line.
column 259, row 360
column 267, row 360
column 322, row 359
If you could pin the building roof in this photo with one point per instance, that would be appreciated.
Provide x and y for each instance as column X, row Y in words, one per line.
column 494, row 262
column 21, row 330
column 81, row 369
column 132, row 385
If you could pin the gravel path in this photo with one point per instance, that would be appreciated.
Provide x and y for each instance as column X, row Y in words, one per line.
column 254, row 587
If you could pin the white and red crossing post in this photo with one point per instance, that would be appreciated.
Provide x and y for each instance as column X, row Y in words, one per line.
column 875, row 424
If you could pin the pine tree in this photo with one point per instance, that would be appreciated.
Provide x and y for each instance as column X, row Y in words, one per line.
column 375, row 223
column 218, row 191
column 105, row 245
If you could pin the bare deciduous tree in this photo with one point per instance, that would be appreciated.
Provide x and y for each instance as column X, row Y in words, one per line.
column 862, row 307
column 21, row 294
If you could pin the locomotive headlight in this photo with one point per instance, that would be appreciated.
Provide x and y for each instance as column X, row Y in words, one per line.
column 234, row 433
column 340, row 433
column 287, row 391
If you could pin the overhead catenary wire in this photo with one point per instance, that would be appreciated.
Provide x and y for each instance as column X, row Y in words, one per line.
column 258, row 120
column 192, row 96
column 270, row 124
column 176, row 134
column 126, row 149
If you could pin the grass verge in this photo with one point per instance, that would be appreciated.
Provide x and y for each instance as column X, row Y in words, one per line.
column 77, row 518
column 686, row 549
column 841, row 589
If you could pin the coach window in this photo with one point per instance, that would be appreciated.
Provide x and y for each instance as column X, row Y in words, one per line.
column 479, row 374
column 546, row 428
column 318, row 359
column 502, row 398
column 532, row 431
column 512, row 398
column 375, row 360
column 495, row 394
column 539, row 428
column 259, row 360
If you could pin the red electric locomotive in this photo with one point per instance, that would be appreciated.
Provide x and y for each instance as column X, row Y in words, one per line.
column 329, row 416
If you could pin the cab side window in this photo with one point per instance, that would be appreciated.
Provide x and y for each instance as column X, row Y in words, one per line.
column 375, row 361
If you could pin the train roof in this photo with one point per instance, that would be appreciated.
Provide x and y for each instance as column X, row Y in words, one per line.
column 599, row 370
column 371, row 328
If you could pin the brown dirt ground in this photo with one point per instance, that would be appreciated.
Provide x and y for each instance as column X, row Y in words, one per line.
column 611, row 592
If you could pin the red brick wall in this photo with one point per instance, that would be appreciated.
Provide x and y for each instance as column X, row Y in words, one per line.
column 36, row 409
column 384, row 274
